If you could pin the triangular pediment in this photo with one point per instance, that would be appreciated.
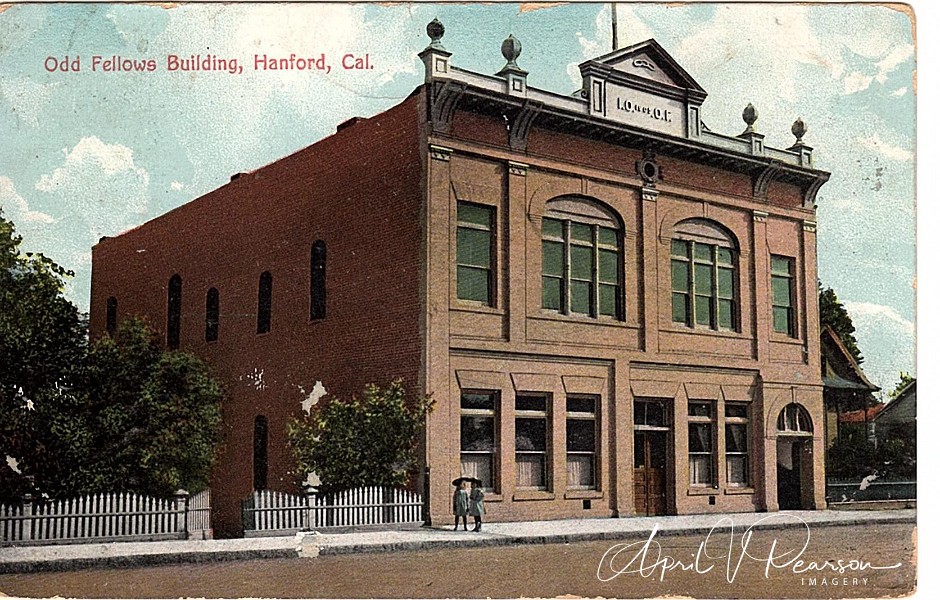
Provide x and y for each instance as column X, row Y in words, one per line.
column 647, row 61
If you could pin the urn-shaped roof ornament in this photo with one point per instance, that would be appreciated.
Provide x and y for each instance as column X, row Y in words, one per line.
column 511, row 49
column 750, row 117
column 798, row 130
column 435, row 32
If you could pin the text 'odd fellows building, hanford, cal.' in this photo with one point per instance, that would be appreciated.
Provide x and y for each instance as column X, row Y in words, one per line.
column 613, row 306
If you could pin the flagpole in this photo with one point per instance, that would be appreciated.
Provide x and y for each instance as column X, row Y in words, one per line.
column 613, row 22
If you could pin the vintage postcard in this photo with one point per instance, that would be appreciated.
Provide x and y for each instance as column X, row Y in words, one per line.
column 458, row 300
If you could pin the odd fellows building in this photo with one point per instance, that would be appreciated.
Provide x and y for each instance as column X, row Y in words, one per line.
column 614, row 307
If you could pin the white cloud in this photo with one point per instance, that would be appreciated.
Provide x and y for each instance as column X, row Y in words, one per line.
column 893, row 60
column 177, row 185
column 876, row 144
column 856, row 82
column 17, row 207
column 867, row 310
column 899, row 92
column 886, row 339
column 27, row 99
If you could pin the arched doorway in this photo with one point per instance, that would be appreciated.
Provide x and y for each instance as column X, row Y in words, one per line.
column 794, row 458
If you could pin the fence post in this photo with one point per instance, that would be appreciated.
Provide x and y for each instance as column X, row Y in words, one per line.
column 182, row 512
column 310, row 494
column 27, row 530
column 426, row 500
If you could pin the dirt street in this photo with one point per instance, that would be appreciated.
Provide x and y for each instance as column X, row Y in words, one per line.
column 546, row 571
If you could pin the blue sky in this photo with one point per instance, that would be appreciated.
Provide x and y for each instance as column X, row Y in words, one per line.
column 90, row 154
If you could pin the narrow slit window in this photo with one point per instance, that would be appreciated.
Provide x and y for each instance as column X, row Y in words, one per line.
column 264, row 303
column 318, row 280
column 111, row 316
column 212, row 315
column 260, row 453
column 174, row 304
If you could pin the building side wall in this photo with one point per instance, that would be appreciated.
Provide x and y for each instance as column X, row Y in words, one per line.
column 359, row 191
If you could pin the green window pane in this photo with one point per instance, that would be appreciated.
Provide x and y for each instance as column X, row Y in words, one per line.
column 725, row 283
column 607, row 300
column 726, row 314
column 473, row 247
column 473, row 284
column 582, row 262
column 553, row 258
column 606, row 236
column 551, row 293
column 781, row 319
column 724, row 256
column 703, row 252
column 608, row 266
column 780, row 265
column 680, row 248
column 703, row 279
column 551, row 228
column 680, row 308
column 703, row 310
column 680, row 276
column 582, row 232
column 471, row 213
column 580, row 297
column 781, row 290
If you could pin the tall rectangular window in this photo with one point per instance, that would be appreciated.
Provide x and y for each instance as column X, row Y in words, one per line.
column 781, row 283
column 174, row 305
column 318, row 280
column 260, row 453
column 581, row 271
column 531, row 442
column 478, row 436
column 111, row 317
column 581, row 437
column 703, row 285
column 736, row 444
column 475, row 241
column 212, row 315
column 701, row 443
column 264, row 302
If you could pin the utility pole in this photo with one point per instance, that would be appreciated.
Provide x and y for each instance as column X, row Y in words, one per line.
column 613, row 22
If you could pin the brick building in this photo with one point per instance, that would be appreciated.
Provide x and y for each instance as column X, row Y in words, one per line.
column 613, row 306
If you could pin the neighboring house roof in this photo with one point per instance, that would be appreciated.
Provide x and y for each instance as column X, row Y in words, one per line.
column 903, row 409
column 833, row 348
column 866, row 415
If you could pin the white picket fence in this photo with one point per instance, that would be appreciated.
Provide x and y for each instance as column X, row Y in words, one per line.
column 268, row 512
column 103, row 517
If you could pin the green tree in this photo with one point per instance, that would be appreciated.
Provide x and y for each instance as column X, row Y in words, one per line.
column 155, row 415
column 357, row 442
column 42, row 342
column 905, row 379
column 833, row 313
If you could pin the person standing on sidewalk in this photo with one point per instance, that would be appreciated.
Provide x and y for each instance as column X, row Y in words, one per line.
column 476, row 504
column 461, row 504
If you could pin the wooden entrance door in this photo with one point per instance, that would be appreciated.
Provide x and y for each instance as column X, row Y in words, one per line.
column 649, row 472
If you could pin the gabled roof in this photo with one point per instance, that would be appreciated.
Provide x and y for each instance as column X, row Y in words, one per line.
column 652, row 52
column 830, row 335
column 906, row 395
column 865, row 415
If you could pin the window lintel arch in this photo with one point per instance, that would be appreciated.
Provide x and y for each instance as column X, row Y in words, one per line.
column 706, row 231
column 585, row 209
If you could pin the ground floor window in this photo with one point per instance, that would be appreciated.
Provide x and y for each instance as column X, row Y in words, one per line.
column 581, row 442
column 478, row 436
column 531, row 442
column 736, row 443
column 701, row 443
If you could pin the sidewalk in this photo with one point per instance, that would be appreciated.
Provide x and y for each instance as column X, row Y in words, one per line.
column 312, row 544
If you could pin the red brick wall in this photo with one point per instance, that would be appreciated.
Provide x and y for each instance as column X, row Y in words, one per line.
column 358, row 190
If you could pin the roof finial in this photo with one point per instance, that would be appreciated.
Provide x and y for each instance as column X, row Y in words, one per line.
column 435, row 31
column 750, row 116
column 798, row 130
column 511, row 50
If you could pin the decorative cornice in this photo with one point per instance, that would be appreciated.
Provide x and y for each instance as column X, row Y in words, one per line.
column 516, row 168
column 445, row 97
column 522, row 122
column 760, row 216
column 440, row 152
column 649, row 194
column 809, row 226
column 761, row 179
column 809, row 194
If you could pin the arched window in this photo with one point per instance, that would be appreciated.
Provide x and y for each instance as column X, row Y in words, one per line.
column 318, row 280
column 111, row 316
column 704, row 275
column 174, row 303
column 264, row 302
column 212, row 315
column 260, row 453
column 794, row 419
column 582, row 259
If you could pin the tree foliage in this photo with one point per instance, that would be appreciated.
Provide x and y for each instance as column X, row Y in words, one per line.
column 904, row 380
column 833, row 313
column 116, row 415
column 357, row 442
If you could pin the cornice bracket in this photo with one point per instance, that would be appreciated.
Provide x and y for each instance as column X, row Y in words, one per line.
column 522, row 122
column 445, row 97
